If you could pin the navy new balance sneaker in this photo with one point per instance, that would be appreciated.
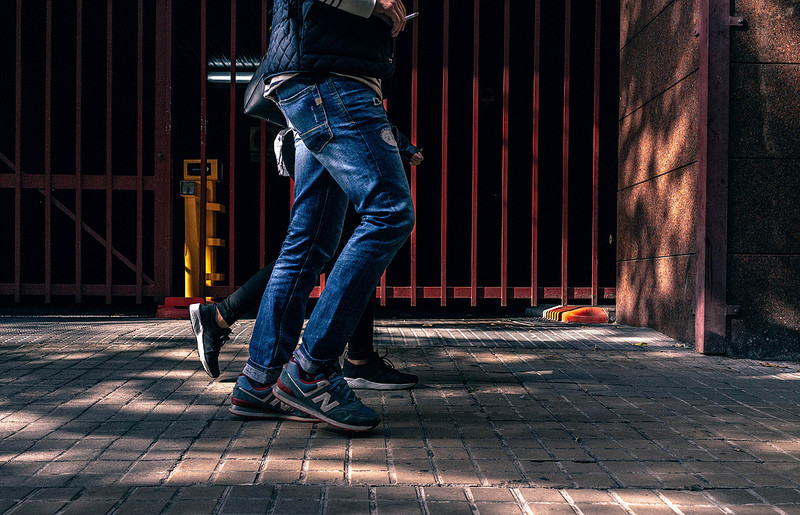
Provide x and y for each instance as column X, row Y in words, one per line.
column 248, row 401
column 327, row 397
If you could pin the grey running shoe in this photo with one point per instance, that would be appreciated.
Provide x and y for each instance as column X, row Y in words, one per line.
column 248, row 401
column 210, row 337
column 326, row 397
column 378, row 373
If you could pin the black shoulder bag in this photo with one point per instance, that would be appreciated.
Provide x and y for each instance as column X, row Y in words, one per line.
column 257, row 105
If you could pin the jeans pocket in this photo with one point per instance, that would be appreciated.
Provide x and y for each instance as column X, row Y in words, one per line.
column 306, row 113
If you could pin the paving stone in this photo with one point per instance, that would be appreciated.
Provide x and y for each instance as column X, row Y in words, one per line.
column 137, row 507
column 651, row 510
column 498, row 508
column 204, row 492
column 589, row 496
column 444, row 494
column 239, row 506
column 344, row 507
column 779, row 495
column 449, row 508
column 297, row 506
column 398, row 507
column 40, row 507
column 191, row 507
column 251, row 492
column 82, row 507
column 371, row 477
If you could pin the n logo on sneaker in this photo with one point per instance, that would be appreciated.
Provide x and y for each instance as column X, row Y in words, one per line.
column 324, row 401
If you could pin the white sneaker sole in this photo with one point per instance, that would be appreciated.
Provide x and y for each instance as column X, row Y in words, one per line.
column 197, row 327
column 358, row 383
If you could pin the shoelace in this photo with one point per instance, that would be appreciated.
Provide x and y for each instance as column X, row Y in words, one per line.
column 221, row 341
column 340, row 388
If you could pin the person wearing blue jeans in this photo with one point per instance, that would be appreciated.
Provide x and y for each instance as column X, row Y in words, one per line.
column 327, row 79
column 363, row 367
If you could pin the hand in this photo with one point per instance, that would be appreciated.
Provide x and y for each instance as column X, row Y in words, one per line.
column 392, row 12
column 416, row 159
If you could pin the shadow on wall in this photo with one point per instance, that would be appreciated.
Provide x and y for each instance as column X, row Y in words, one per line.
column 764, row 199
column 657, row 166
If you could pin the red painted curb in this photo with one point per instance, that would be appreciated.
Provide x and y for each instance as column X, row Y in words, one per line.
column 177, row 307
column 588, row 315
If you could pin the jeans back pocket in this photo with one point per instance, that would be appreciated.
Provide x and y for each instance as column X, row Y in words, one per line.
column 306, row 113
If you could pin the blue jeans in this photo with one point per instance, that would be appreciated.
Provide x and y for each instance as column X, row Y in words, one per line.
column 344, row 149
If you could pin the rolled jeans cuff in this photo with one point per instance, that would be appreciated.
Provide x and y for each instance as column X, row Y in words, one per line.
column 261, row 374
column 307, row 363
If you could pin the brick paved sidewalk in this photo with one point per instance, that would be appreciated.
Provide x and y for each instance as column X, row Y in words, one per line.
column 512, row 416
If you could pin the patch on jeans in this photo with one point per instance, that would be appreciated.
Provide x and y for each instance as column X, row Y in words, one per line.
column 388, row 137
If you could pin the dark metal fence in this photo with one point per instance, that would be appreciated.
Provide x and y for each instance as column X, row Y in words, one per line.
column 514, row 102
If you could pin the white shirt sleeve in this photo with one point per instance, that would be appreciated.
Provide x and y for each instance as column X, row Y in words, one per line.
column 361, row 8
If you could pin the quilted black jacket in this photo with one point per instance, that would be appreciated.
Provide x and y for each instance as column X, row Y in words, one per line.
column 310, row 36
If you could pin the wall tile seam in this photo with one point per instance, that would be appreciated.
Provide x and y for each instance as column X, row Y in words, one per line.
column 763, row 158
column 654, row 258
column 644, row 27
column 764, row 254
column 659, row 94
column 765, row 63
column 650, row 179
column 770, row 63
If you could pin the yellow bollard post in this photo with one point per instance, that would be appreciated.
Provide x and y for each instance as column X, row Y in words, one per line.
column 190, row 191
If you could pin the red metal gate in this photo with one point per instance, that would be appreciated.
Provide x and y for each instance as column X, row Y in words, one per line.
column 84, row 154
column 515, row 200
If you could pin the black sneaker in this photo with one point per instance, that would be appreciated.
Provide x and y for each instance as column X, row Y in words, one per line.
column 210, row 337
column 378, row 373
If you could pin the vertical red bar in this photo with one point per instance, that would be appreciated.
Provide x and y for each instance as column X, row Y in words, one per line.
column 18, row 161
column 414, row 121
column 382, row 290
column 565, row 156
column 78, row 153
column 109, row 134
column 596, row 154
column 445, row 120
column 162, row 140
column 201, row 219
column 504, row 161
column 262, row 212
column 537, row 26
column 48, row 100
column 232, row 149
column 139, row 148
column 473, row 272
